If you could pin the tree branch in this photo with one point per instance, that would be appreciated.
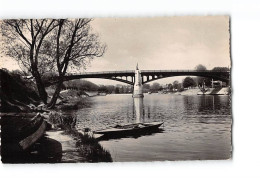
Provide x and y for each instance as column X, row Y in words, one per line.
column 18, row 30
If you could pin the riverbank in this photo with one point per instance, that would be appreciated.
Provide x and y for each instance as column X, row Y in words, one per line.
column 26, row 132
column 210, row 91
column 60, row 142
column 77, row 146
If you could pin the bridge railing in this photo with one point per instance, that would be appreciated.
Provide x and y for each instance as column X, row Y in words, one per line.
column 102, row 72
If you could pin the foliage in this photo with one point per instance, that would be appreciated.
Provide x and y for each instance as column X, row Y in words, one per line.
column 156, row 87
column 81, row 85
column 200, row 67
column 175, row 84
column 220, row 69
column 117, row 90
column 108, row 89
column 188, row 82
column 123, row 89
column 23, row 40
column 170, row 87
column 87, row 145
column 180, row 88
column 50, row 45
column 72, row 45
column 16, row 93
column 201, row 80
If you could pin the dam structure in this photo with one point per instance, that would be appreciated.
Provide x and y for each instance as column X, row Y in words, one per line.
column 138, row 85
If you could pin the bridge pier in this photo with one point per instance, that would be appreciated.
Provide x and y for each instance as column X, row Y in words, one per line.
column 138, row 87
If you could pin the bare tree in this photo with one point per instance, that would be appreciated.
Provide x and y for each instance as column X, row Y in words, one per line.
column 72, row 45
column 23, row 40
column 46, row 45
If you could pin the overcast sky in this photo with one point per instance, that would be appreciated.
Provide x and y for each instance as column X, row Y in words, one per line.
column 180, row 42
column 163, row 43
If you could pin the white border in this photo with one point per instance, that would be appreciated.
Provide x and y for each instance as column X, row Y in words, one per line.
column 245, row 28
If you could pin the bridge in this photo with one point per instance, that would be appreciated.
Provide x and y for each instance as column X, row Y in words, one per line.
column 147, row 76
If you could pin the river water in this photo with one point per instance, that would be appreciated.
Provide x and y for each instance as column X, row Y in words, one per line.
column 195, row 127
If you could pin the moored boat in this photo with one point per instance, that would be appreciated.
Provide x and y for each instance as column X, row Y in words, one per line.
column 130, row 129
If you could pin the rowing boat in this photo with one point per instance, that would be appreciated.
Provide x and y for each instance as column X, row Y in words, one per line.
column 129, row 129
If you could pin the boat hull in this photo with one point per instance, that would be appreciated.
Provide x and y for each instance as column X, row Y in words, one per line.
column 117, row 132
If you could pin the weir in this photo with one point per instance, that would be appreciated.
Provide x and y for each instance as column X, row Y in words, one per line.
column 138, row 86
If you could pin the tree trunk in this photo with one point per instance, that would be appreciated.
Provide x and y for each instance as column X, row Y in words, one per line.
column 40, row 86
column 56, row 94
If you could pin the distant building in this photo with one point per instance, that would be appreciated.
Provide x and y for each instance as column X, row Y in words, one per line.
column 218, row 83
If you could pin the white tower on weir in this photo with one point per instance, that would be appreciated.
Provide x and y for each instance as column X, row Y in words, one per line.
column 138, row 87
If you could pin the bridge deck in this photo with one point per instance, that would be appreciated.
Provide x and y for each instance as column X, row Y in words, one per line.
column 146, row 71
column 127, row 76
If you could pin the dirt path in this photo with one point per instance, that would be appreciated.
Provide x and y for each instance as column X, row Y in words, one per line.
column 70, row 152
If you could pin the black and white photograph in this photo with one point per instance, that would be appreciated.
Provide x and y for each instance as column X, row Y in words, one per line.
column 116, row 89
column 129, row 89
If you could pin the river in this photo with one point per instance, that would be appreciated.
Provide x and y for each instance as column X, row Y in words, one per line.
column 195, row 127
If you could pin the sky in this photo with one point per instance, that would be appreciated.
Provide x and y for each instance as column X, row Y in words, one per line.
column 159, row 43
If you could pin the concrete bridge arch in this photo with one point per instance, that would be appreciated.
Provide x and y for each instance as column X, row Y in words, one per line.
column 147, row 76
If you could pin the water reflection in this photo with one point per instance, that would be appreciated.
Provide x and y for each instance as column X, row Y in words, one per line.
column 139, row 109
column 195, row 127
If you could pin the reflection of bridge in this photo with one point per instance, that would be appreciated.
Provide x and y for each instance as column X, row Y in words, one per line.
column 149, row 75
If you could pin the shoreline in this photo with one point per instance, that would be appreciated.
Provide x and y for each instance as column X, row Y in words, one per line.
column 197, row 91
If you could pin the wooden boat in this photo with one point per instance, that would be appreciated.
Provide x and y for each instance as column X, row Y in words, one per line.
column 130, row 129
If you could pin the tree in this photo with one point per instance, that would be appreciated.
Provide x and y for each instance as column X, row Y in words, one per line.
column 81, row 85
column 102, row 89
column 201, row 80
column 155, row 87
column 72, row 45
column 110, row 88
column 175, row 84
column 23, row 40
column 117, row 90
column 51, row 45
column 220, row 69
column 170, row 87
column 200, row 67
column 146, row 88
column 188, row 82
column 180, row 87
